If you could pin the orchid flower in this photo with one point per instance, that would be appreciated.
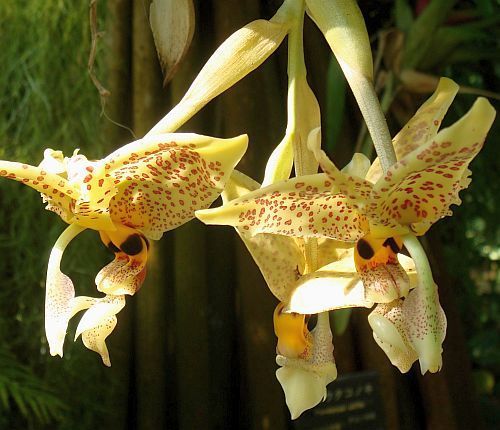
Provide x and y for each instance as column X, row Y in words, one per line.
column 413, row 194
column 306, row 357
column 131, row 196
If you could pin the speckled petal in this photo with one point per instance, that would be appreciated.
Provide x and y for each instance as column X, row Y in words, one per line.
column 419, row 189
column 121, row 277
column 299, row 207
column 94, row 339
column 385, row 282
column 279, row 258
column 422, row 127
column 161, row 180
column 389, row 332
column 425, row 324
column 334, row 286
column 59, row 194
column 59, row 294
column 356, row 190
column 100, row 311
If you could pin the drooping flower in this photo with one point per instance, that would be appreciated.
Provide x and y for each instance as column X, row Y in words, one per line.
column 131, row 196
column 305, row 356
column 413, row 194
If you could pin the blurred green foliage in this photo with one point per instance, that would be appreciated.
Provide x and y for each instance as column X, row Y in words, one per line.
column 46, row 100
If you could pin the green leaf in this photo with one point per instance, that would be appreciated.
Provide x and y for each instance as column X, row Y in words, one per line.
column 420, row 35
column 403, row 15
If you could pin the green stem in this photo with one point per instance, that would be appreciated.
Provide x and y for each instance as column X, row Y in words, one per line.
column 422, row 265
column 297, row 71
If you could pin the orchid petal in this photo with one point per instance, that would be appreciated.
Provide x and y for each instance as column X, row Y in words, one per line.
column 55, row 190
column 279, row 258
column 58, row 298
column 389, row 331
column 385, row 282
column 422, row 127
column 334, row 286
column 283, row 207
column 304, row 380
column 163, row 179
column 426, row 329
column 94, row 339
column 357, row 191
column 303, row 389
column 421, row 187
column 99, row 312
column 98, row 323
column 59, row 294
column 242, row 52
column 120, row 277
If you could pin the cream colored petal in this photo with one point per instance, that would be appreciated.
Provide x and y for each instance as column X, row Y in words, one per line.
column 334, row 286
column 422, row 127
column 161, row 180
column 304, row 380
column 303, row 390
column 279, row 258
column 385, row 282
column 120, row 277
column 99, row 312
column 94, row 339
column 389, row 331
column 425, row 324
column 280, row 163
column 241, row 53
column 419, row 189
column 299, row 207
column 59, row 294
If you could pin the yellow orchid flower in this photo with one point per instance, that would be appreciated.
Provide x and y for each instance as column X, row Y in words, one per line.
column 131, row 196
column 413, row 194
column 306, row 357
column 416, row 192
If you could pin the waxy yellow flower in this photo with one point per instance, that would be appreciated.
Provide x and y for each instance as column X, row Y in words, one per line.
column 413, row 194
column 131, row 196
column 305, row 356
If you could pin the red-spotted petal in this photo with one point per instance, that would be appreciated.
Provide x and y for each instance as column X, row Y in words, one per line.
column 356, row 190
column 121, row 276
column 56, row 191
column 389, row 331
column 279, row 258
column 419, row 189
column 94, row 339
column 299, row 207
column 161, row 180
column 59, row 294
column 425, row 324
column 422, row 127
column 98, row 322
